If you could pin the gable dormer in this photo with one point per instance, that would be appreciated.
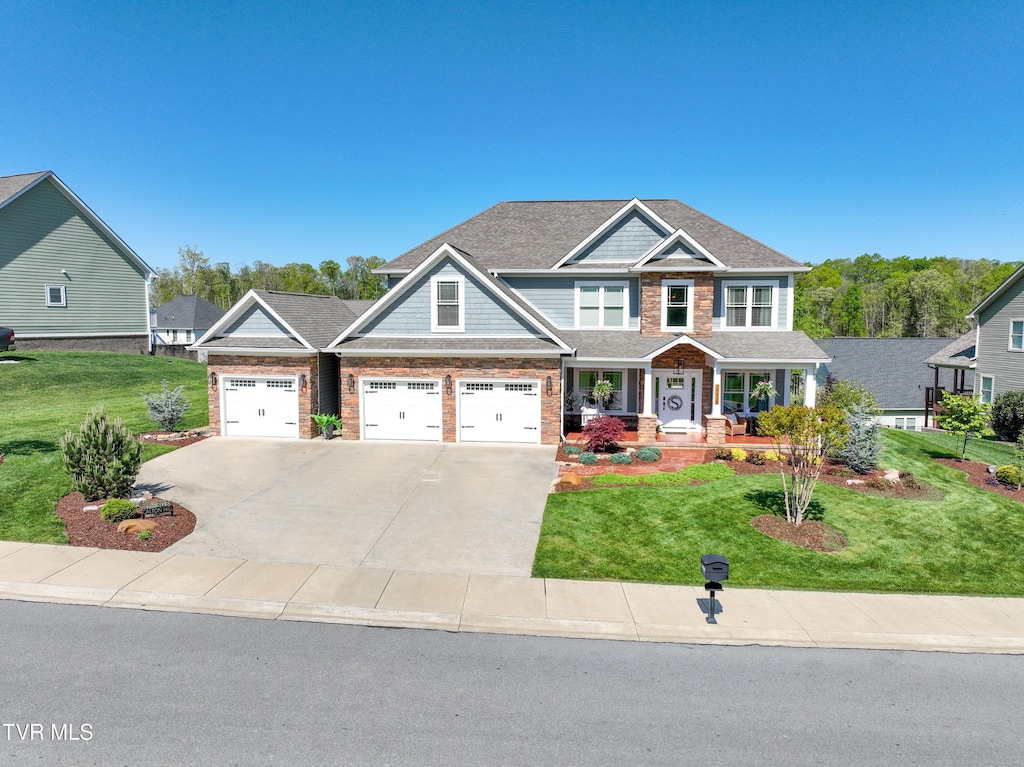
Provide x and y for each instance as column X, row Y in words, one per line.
column 621, row 240
column 679, row 252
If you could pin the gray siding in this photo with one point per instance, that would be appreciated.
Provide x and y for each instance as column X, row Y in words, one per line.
column 484, row 314
column 41, row 233
column 718, row 320
column 555, row 296
column 994, row 357
column 626, row 241
column 256, row 322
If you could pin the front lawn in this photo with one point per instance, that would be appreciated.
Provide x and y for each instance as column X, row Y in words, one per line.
column 51, row 392
column 969, row 541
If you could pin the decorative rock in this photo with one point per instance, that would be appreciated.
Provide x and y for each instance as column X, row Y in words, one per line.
column 891, row 475
column 992, row 469
column 630, row 450
column 855, row 481
column 572, row 478
column 90, row 508
column 136, row 525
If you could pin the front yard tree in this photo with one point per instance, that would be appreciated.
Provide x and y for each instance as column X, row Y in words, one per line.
column 863, row 445
column 964, row 416
column 805, row 436
column 102, row 459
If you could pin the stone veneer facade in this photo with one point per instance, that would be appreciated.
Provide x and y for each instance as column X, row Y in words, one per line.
column 268, row 366
column 689, row 358
column 458, row 368
column 702, row 302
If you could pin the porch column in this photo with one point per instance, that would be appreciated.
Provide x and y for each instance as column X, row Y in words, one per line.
column 784, row 389
column 716, row 391
column 647, row 405
column 811, row 387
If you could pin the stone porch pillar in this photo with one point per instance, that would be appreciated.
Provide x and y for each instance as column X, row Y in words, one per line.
column 714, row 429
column 647, row 429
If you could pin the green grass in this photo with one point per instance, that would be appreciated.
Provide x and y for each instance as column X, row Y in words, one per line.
column 51, row 392
column 690, row 475
column 961, row 539
column 988, row 450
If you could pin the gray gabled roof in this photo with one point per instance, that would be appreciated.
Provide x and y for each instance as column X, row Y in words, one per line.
column 774, row 345
column 188, row 312
column 958, row 354
column 10, row 186
column 536, row 235
column 893, row 369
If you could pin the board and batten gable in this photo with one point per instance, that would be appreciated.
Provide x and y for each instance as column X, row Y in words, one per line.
column 42, row 233
column 555, row 296
column 255, row 321
column 485, row 314
column 625, row 242
column 993, row 351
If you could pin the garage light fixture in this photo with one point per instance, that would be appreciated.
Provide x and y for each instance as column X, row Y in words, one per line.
column 213, row 380
column 547, row 386
column 448, row 384
column 302, row 381
column 351, row 383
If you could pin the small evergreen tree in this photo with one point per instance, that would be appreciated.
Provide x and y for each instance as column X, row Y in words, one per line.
column 862, row 441
column 167, row 407
column 103, row 459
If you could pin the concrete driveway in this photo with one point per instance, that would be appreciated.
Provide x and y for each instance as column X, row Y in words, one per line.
column 450, row 508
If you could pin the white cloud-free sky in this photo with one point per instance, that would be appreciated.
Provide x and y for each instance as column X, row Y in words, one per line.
column 305, row 131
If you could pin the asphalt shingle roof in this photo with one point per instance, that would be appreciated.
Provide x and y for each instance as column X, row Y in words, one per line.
column 318, row 319
column 448, row 344
column 536, row 235
column 780, row 345
column 188, row 312
column 11, row 185
column 958, row 354
column 893, row 369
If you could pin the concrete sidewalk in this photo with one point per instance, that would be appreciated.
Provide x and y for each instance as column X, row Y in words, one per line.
column 506, row 604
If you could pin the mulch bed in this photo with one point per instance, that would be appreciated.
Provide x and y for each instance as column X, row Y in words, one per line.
column 810, row 534
column 88, row 528
column 173, row 438
column 977, row 474
column 672, row 459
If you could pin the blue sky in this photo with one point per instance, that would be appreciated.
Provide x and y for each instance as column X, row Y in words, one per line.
column 305, row 131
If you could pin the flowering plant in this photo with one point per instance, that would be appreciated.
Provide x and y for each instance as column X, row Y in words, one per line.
column 763, row 391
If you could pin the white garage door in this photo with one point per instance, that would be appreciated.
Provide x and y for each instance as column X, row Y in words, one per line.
column 499, row 411
column 261, row 407
column 402, row 410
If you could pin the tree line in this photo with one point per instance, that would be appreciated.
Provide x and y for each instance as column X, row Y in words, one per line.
column 219, row 284
column 877, row 297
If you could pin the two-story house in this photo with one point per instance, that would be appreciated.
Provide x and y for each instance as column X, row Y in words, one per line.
column 498, row 330
column 999, row 339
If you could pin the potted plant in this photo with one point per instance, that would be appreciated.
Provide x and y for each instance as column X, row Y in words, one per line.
column 603, row 392
column 328, row 423
column 763, row 391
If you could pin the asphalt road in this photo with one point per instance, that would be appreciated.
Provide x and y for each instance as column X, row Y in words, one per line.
column 148, row 688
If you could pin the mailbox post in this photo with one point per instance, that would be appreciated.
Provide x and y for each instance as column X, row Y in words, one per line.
column 715, row 569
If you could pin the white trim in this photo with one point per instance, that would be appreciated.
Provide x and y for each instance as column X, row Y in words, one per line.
column 981, row 388
column 222, row 389
column 242, row 305
column 665, row 285
column 1009, row 341
column 242, row 351
column 633, row 205
column 601, row 285
column 516, row 353
column 790, row 301
column 687, row 340
column 460, row 303
column 750, row 285
column 63, row 302
column 675, row 237
column 105, row 334
column 600, row 371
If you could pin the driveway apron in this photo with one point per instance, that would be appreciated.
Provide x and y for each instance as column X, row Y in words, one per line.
column 398, row 505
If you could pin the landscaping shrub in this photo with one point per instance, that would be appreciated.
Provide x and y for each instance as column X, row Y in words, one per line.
column 723, row 454
column 738, row 454
column 910, row 481
column 863, row 440
column 571, row 449
column 103, row 459
column 1008, row 415
column 841, row 471
column 118, row 510
column 648, row 454
column 603, row 433
column 773, row 455
column 756, row 458
column 622, row 459
column 878, row 483
column 1008, row 475
column 167, row 407
column 588, row 459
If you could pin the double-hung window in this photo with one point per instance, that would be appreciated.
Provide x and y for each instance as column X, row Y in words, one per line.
column 1016, row 335
column 750, row 305
column 56, row 295
column 588, row 378
column 736, row 392
column 987, row 386
column 602, row 304
column 676, row 305
column 448, row 306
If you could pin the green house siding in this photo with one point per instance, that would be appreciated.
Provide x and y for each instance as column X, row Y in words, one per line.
column 43, row 233
column 995, row 358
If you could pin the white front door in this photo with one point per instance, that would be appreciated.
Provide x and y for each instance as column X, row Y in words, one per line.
column 677, row 399
column 260, row 407
column 499, row 411
column 394, row 409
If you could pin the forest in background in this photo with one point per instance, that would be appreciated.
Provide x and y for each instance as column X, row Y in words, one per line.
column 877, row 297
column 865, row 296
column 217, row 283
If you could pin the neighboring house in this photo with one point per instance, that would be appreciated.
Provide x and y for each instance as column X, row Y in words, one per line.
column 893, row 369
column 999, row 339
column 179, row 322
column 67, row 281
column 498, row 329
column 959, row 357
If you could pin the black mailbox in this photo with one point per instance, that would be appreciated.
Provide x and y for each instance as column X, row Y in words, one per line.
column 714, row 568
